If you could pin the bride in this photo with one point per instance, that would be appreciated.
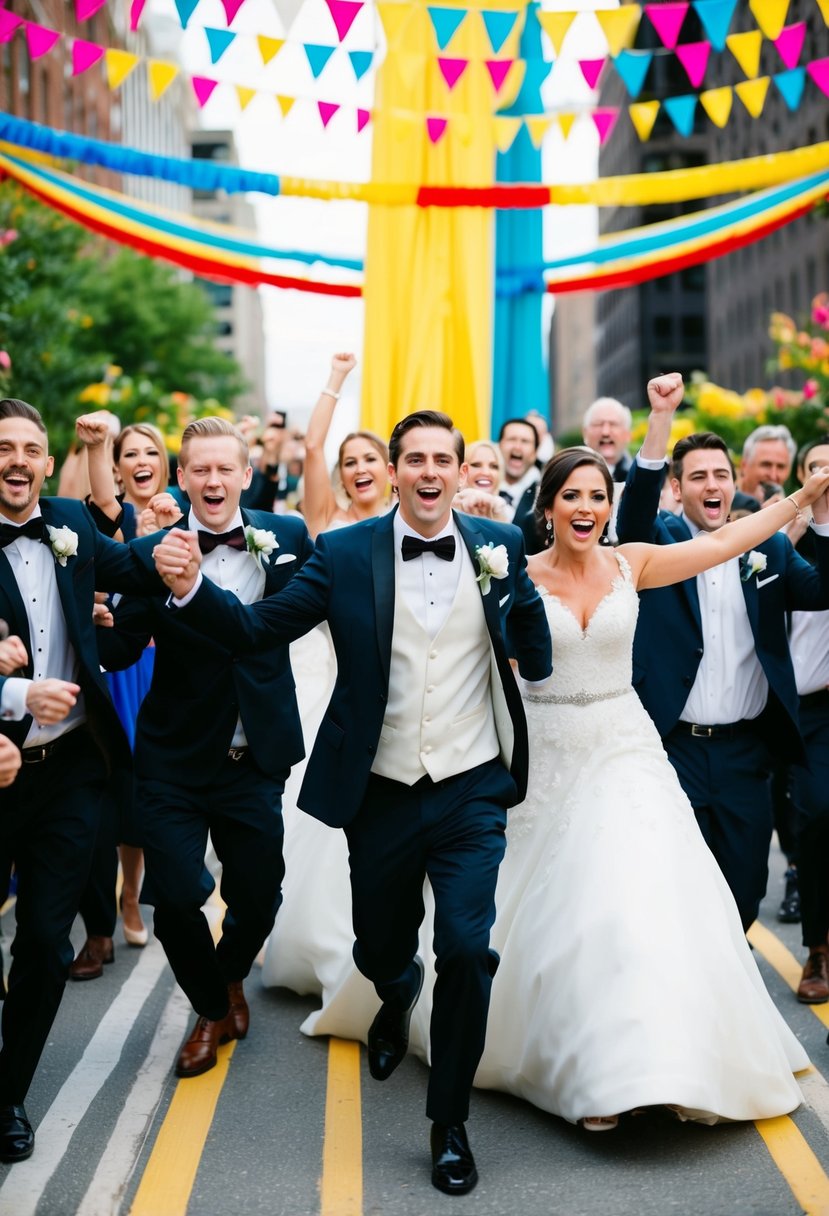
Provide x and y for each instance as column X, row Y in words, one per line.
column 625, row 979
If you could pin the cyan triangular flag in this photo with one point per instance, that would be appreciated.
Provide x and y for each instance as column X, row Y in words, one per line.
column 681, row 112
column 360, row 62
column 218, row 41
column 633, row 66
column 499, row 26
column 318, row 56
column 185, row 10
column 445, row 22
column 791, row 85
column 715, row 16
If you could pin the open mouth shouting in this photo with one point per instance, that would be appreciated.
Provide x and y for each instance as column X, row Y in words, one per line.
column 583, row 527
column 363, row 484
column 712, row 506
column 18, row 483
column 429, row 496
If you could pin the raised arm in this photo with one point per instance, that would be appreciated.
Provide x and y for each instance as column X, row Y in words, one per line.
column 661, row 565
column 93, row 432
column 318, row 502
column 639, row 505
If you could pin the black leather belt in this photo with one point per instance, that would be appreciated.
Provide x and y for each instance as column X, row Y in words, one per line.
column 36, row 755
column 726, row 731
column 815, row 700
column 237, row 753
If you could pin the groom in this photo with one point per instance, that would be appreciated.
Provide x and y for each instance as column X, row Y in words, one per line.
column 423, row 745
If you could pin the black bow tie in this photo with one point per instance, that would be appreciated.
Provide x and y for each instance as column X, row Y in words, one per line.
column 234, row 539
column 443, row 547
column 33, row 528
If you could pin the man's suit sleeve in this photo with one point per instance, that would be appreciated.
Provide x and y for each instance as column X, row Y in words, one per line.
column 528, row 633
column 639, row 505
column 807, row 586
column 123, row 644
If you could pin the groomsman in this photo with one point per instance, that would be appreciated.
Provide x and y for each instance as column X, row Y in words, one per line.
column 711, row 660
column 215, row 740
column 57, row 711
column 423, row 746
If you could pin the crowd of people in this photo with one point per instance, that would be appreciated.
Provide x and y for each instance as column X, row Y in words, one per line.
column 613, row 648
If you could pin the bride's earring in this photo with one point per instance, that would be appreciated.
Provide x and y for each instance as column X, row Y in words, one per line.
column 549, row 538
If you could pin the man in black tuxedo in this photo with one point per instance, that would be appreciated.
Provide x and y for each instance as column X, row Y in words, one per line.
column 57, row 710
column 518, row 441
column 423, row 745
column 215, row 740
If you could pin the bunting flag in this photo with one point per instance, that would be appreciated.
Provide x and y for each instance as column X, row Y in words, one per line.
column 823, row 5
column 770, row 15
column 268, row 47
column 185, row 10
column 327, row 110
column 753, row 93
column 498, row 71
column 790, row 86
column 119, row 64
column 505, row 130
column 84, row 55
column 667, row 20
column 555, row 26
column 286, row 104
column 619, row 26
column 203, row 88
column 317, row 56
column 591, row 70
column 435, row 129
column 537, row 127
column 498, row 26
column 160, row 76
column 715, row 17
column 136, row 9
column 343, row 13
column 819, row 72
column 39, row 39
column 360, row 62
column 633, row 67
column 231, row 8
column 245, row 96
column 446, row 22
column 746, row 50
column 681, row 111
column 363, row 117
column 789, row 43
column 451, row 70
column 604, row 120
column 717, row 104
column 84, row 9
column 218, row 41
column 565, row 122
column 694, row 58
column 9, row 22
column 643, row 115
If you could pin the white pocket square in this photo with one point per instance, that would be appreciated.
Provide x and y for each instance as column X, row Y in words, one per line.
column 503, row 601
column 761, row 582
column 291, row 557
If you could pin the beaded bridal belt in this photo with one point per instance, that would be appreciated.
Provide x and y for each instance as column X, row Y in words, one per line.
column 575, row 698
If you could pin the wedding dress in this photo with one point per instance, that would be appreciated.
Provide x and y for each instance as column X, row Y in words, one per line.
column 625, row 977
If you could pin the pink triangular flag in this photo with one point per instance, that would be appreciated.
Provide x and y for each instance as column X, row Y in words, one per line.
column 452, row 70
column 667, row 20
column 84, row 54
column 591, row 70
column 40, row 39
column 435, row 128
column 604, row 121
column 203, row 87
column 694, row 58
column 818, row 69
column 327, row 111
column 231, row 8
column 789, row 43
column 343, row 13
column 84, row 9
column 362, row 118
column 498, row 70
column 136, row 9
column 8, row 24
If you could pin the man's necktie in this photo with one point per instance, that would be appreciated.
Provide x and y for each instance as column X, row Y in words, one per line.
column 443, row 547
column 33, row 528
column 235, row 539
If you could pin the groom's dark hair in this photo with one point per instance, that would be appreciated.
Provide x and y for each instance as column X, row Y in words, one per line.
column 13, row 407
column 424, row 418
column 700, row 441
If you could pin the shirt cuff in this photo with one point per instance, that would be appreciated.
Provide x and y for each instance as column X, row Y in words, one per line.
column 13, row 699
column 821, row 529
column 645, row 463
column 175, row 602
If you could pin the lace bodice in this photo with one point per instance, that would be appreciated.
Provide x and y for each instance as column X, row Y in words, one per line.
column 594, row 663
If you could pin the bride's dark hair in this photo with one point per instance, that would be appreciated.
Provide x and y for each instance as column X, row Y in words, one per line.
column 556, row 473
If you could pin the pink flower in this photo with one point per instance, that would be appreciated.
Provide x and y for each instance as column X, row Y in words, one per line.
column 8, row 236
column 5, row 361
column 810, row 389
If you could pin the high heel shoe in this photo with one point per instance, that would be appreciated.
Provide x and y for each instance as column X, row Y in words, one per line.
column 134, row 937
column 600, row 1123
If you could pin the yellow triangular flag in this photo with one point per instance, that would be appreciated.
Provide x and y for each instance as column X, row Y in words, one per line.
column 643, row 116
column 565, row 121
column 505, row 130
column 746, row 50
column 823, row 5
column 752, row 93
column 245, row 95
column 555, row 26
column 268, row 47
column 285, row 103
column 394, row 18
column 537, row 124
column 770, row 15
column 619, row 26
column 717, row 104
column 160, row 76
column 119, row 64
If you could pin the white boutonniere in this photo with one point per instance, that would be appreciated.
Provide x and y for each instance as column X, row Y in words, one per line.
column 493, row 562
column 64, row 543
column 261, row 544
column 752, row 563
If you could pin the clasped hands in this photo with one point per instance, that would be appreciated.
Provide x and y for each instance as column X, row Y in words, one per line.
column 177, row 559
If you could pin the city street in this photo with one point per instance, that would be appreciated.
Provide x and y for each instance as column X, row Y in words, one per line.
column 291, row 1126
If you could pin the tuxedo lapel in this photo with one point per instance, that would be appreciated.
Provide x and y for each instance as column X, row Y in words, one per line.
column 63, row 575
column 12, row 608
column 679, row 532
column 473, row 538
column 750, row 595
column 382, row 568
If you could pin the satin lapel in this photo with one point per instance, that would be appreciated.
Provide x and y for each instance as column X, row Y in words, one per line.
column 751, row 597
column 679, row 532
column 65, row 582
column 12, row 608
column 382, row 570
column 473, row 539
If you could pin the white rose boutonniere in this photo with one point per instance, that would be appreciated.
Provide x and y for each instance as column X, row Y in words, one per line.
column 493, row 562
column 261, row 544
column 753, row 563
column 64, row 543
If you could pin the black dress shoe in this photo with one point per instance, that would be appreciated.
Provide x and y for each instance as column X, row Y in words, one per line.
column 789, row 911
column 388, row 1035
column 453, row 1166
column 17, row 1139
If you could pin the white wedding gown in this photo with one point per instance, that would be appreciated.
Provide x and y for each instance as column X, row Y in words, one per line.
column 625, row 977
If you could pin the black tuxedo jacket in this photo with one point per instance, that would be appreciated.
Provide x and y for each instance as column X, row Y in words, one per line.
column 199, row 687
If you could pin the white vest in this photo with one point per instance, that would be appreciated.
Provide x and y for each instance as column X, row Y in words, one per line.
column 440, row 719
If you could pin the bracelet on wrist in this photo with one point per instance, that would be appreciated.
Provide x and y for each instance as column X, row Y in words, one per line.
column 329, row 392
column 798, row 510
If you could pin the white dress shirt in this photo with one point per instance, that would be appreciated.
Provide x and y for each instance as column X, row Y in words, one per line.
column 428, row 583
column 512, row 494
column 53, row 656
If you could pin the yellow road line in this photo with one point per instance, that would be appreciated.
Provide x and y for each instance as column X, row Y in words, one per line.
column 783, row 962
column 797, row 1163
column 8, row 905
column 342, row 1155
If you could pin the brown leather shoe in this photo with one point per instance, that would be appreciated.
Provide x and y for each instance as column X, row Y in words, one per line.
column 239, row 1013
column 94, row 954
column 814, row 984
column 198, row 1054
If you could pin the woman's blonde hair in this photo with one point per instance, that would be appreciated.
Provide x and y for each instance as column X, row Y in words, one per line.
column 149, row 432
